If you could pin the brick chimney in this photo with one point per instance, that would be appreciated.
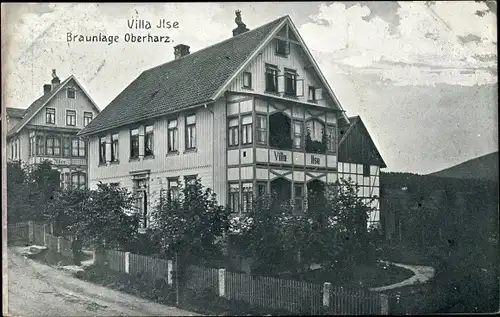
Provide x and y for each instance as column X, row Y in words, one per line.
column 242, row 28
column 47, row 88
column 55, row 80
column 181, row 50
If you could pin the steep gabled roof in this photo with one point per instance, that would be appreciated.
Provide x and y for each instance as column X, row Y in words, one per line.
column 15, row 112
column 348, row 130
column 38, row 104
column 181, row 83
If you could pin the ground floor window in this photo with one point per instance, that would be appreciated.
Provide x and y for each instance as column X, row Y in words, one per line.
column 298, row 197
column 234, row 197
column 173, row 188
column 261, row 189
column 78, row 180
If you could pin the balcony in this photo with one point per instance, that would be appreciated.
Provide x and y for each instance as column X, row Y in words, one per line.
column 57, row 160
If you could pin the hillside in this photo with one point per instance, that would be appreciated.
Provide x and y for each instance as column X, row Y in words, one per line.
column 484, row 167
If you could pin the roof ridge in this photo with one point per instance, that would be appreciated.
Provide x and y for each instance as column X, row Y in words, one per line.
column 210, row 46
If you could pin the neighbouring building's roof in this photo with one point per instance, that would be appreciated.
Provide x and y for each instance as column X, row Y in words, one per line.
column 15, row 112
column 188, row 81
column 358, row 151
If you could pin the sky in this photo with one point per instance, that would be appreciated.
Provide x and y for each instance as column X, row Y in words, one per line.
column 423, row 76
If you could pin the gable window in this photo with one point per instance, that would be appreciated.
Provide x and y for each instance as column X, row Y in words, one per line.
column 234, row 197
column 71, row 93
column 290, row 82
column 282, row 47
column 261, row 129
column 311, row 96
column 53, row 146
column 191, row 132
column 366, row 170
column 87, row 117
column 271, row 78
column 297, row 134
column 247, row 80
column 71, row 117
column 233, row 131
column 77, row 147
column 172, row 135
column 66, row 141
column 114, row 148
column 134, row 143
column 331, row 132
column 102, row 150
column 148, row 141
column 173, row 188
column 246, row 130
column 50, row 115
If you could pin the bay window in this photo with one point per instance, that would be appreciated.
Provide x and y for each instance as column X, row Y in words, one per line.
column 261, row 129
column 331, row 132
column 40, row 144
column 246, row 129
column 246, row 197
column 79, row 180
column 52, row 145
column 298, row 197
column 261, row 189
column 148, row 141
column 66, row 141
column 234, row 197
column 233, row 130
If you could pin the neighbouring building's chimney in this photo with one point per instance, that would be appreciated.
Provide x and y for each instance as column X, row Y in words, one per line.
column 181, row 50
column 242, row 28
column 55, row 80
column 47, row 88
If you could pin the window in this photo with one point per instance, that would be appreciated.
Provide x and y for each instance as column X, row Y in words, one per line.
column 148, row 141
column 332, row 138
column 71, row 93
column 79, row 180
column 53, row 145
column 11, row 151
column 261, row 129
column 71, row 117
column 15, row 149
column 261, row 189
column 290, row 82
column 134, row 143
column 77, row 147
column 189, row 179
column 299, row 197
column 40, row 145
column 32, row 149
column 246, row 129
column 50, row 116
column 114, row 148
column 297, row 135
column 247, row 80
column 282, row 47
column 172, row 135
column 173, row 188
column 233, row 131
column 66, row 141
column 234, row 197
column 315, row 129
column 87, row 117
column 271, row 78
column 366, row 170
column 311, row 96
column 191, row 132
column 102, row 150
column 246, row 196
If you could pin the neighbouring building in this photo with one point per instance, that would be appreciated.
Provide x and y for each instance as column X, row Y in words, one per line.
column 47, row 129
column 360, row 160
column 249, row 115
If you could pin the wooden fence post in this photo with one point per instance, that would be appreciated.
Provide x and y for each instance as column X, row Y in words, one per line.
column 31, row 231
column 222, row 282
column 59, row 244
column 384, row 304
column 127, row 262
column 169, row 272
column 51, row 228
column 327, row 288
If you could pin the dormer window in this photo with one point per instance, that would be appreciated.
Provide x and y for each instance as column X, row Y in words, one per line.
column 71, row 93
column 282, row 47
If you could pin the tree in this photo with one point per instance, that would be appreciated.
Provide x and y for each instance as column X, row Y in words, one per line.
column 192, row 226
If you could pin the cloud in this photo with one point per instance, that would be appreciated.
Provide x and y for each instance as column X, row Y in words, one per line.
column 427, row 45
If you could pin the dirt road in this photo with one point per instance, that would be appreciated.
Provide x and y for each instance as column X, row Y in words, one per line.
column 39, row 290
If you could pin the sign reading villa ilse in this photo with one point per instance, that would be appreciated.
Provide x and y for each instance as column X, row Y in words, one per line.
column 286, row 157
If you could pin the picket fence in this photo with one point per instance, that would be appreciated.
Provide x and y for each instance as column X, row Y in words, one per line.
column 18, row 233
column 267, row 292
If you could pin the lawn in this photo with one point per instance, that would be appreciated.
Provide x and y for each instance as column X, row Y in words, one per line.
column 365, row 276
